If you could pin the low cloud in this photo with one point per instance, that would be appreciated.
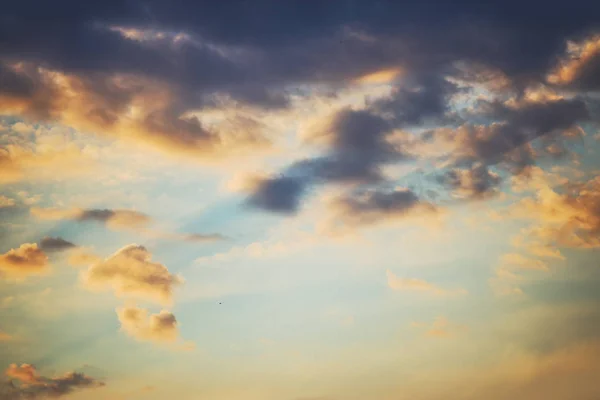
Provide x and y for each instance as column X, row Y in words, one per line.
column 50, row 244
column 139, row 324
column 130, row 273
column 28, row 259
column 34, row 386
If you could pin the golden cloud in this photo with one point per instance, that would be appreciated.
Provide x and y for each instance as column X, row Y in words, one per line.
column 127, row 107
column 418, row 285
column 139, row 324
column 28, row 259
column 130, row 273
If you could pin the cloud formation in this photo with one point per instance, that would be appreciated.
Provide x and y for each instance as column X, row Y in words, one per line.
column 139, row 324
column 130, row 272
column 115, row 219
column 34, row 386
column 374, row 206
column 28, row 259
column 418, row 285
column 50, row 244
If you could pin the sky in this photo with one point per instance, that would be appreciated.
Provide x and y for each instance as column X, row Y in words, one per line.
column 299, row 200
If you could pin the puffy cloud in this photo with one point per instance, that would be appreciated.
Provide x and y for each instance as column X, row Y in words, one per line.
column 130, row 273
column 139, row 324
column 55, row 244
column 418, row 285
column 34, row 386
column 28, row 259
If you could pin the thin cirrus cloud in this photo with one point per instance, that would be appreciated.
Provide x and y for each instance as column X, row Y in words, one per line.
column 116, row 219
column 120, row 219
column 419, row 286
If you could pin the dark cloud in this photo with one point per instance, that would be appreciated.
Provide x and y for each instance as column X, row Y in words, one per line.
column 376, row 206
column 418, row 99
column 55, row 244
column 260, row 52
column 357, row 147
column 475, row 183
column 33, row 386
column 280, row 195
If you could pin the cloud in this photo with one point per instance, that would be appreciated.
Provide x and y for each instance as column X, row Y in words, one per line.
column 139, row 324
column 518, row 261
column 418, row 285
column 580, row 66
column 130, row 273
column 28, row 259
column 377, row 206
column 20, row 162
column 6, row 202
column 569, row 219
column 475, row 183
column 55, row 244
column 115, row 219
column 280, row 195
column 202, row 237
column 5, row 337
column 439, row 328
column 80, row 257
column 120, row 220
column 34, row 386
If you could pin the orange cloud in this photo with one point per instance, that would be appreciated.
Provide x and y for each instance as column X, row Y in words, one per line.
column 26, row 373
column 27, row 259
column 126, row 107
column 116, row 219
column 139, row 324
column 19, row 163
column 130, row 273
column 574, row 65
column 34, row 386
column 570, row 219
column 418, row 285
